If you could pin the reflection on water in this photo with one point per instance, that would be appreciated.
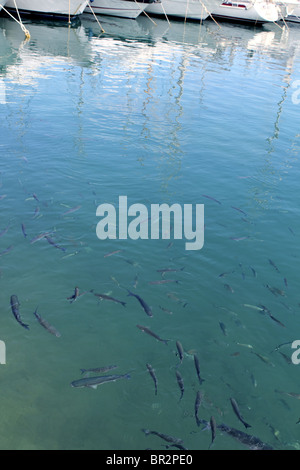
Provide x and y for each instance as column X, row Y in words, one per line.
column 179, row 113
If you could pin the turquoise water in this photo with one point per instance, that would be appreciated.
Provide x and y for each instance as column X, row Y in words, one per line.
column 187, row 114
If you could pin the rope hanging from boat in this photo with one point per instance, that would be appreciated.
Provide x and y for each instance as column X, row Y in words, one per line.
column 96, row 18
column 146, row 14
column 25, row 30
column 163, row 8
column 207, row 11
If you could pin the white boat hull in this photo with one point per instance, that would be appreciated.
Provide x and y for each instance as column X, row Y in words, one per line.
column 2, row 4
column 120, row 8
column 49, row 8
column 187, row 9
column 294, row 16
column 247, row 11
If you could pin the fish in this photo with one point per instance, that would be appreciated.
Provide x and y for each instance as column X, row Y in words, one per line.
column 52, row 242
column 136, row 280
column 238, row 414
column 180, row 351
column 238, row 239
column 164, row 281
column 4, row 231
column 274, row 265
column 115, row 280
column 166, row 310
column 253, row 271
column 98, row 369
column 112, row 253
column 169, row 270
column 132, row 262
column 24, row 230
column 14, row 302
column 254, row 443
column 254, row 307
column 4, row 252
column 146, row 307
column 108, row 297
column 226, row 273
column 264, row 359
column 73, row 209
column 229, row 288
column 94, row 382
column 46, row 325
column 213, row 427
column 197, row 366
column 289, row 394
column 253, row 380
column 211, row 198
column 147, row 330
column 180, row 383
column 287, row 359
column 36, row 213
column 198, row 402
column 223, row 328
column 172, row 296
column 282, row 344
column 165, row 437
column 152, row 373
column 275, row 291
column 277, row 321
column 245, row 345
column 74, row 296
column 239, row 210
column 39, row 237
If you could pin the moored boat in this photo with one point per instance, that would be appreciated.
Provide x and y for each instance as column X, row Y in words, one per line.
column 186, row 9
column 293, row 12
column 2, row 4
column 248, row 11
column 53, row 9
column 130, row 9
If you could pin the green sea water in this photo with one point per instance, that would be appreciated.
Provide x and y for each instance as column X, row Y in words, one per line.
column 179, row 113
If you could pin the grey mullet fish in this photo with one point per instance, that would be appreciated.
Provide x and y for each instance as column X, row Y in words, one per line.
column 238, row 414
column 180, row 351
column 98, row 369
column 152, row 373
column 146, row 307
column 151, row 333
column 254, row 443
column 14, row 302
column 197, row 366
column 213, row 427
column 108, row 297
column 172, row 440
column 46, row 325
column 94, row 382
column 180, row 383
column 197, row 406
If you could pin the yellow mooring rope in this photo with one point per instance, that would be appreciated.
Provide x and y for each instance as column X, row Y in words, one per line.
column 25, row 30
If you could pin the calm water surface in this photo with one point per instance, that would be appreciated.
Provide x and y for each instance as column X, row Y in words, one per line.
column 188, row 114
